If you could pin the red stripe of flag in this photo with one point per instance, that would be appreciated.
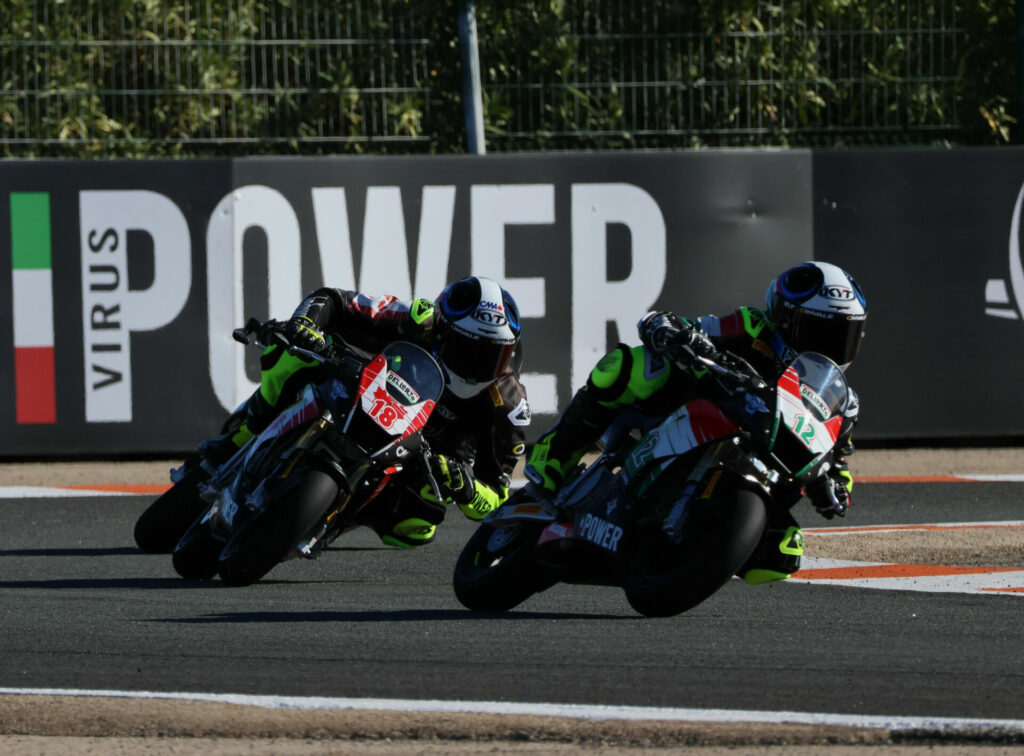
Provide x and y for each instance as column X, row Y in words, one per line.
column 35, row 385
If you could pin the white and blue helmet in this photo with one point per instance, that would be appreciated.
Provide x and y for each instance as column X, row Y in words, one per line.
column 477, row 332
column 818, row 307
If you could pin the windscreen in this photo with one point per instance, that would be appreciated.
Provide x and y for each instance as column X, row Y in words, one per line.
column 413, row 375
column 823, row 387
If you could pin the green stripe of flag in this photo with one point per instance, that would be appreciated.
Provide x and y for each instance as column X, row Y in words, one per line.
column 30, row 230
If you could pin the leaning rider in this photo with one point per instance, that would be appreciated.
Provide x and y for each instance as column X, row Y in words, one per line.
column 477, row 430
column 811, row 307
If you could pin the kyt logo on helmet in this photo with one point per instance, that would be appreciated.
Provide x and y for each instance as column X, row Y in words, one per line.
column 838, row 292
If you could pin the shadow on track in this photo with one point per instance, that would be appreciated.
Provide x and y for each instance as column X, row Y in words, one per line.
column 78, row 552
column 409, row 615
column 101, row 583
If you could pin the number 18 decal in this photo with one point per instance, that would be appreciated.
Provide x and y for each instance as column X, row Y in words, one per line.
column 384, row 409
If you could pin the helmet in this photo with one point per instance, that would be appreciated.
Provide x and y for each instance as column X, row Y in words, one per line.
column 477, row 330
column 818, row 307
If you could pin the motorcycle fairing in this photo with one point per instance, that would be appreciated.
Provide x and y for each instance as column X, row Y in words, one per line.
column 308, row 408
column 397, row 417
column 527, row 510
column 695, row 423
column 800, row 410
column 807, row 417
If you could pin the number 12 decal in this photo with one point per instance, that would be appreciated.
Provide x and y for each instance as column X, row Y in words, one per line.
column 803, row 429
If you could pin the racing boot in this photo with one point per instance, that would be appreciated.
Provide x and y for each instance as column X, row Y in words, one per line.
column 559, row 450
column 403, row 517
column 777, row 556
column 409, row 533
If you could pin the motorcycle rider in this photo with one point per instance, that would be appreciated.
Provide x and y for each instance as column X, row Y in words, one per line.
column 813, row 306
column 477, row 430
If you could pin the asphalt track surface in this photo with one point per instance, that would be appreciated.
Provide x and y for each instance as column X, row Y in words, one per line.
column 83, row 609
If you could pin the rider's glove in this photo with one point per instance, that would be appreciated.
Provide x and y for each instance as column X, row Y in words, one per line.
column 829, row 496
column 665, row 332
column 455, row 478
column 696, row 341
column 303, row 332
column 658, row 329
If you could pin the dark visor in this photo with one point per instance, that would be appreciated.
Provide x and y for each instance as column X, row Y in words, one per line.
column 477, row 360
column 838, row 338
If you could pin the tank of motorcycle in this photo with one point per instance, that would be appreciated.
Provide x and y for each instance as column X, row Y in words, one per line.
column 811, row 396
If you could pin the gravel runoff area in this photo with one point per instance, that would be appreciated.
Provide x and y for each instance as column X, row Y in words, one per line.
column 73, row 725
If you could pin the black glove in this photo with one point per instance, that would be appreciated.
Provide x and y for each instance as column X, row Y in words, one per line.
column 696, row 341
column 657, row 329
column 829, row 497
column 454, row 477
column 665, row 333
column 303, row 332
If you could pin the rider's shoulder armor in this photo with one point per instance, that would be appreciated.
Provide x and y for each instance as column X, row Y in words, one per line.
column 626, row 375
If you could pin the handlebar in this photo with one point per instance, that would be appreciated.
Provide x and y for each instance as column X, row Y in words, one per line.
column 425, row 456
column 736, row 375
column 271, row 333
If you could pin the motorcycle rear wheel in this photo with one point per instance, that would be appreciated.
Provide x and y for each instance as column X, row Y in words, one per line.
column 665, row 578
column 496, row 570
column 195, row 556
column 161, row 526
column 266, row 539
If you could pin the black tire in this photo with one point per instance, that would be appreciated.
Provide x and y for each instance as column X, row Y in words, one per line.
column 266, row 539
column 195, row 556
column 161, row 526
column 497, row 570
column 664, row 578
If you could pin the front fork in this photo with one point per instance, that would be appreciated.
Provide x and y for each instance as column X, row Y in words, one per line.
column 703, row 477
column 228, row 492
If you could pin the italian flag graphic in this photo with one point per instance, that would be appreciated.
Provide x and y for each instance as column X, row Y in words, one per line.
column 34, row 382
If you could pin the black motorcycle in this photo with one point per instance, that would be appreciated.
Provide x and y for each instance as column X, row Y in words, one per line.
column 675, row 505
column 294, row 488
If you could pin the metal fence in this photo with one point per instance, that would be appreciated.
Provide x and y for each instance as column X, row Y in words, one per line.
column 657, row 74
column 116, row 77
column 241, row 73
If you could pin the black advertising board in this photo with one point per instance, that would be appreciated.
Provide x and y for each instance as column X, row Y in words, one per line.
column 933, row 236
column 102, row 346
column 127, row 277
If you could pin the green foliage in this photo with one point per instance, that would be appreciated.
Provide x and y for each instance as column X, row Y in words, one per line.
column 157, row 78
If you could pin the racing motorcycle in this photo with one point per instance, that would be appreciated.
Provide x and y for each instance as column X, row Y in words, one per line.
column 673, row 506
column 295, row 487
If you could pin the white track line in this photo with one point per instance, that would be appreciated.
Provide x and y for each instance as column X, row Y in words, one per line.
column 42, row 492
column 575, row 711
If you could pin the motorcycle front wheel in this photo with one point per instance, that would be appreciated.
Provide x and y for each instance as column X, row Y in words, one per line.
column 161, row 526
column 265, row 540
column 195, row 556
column 496, row 570
column 665, row 578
